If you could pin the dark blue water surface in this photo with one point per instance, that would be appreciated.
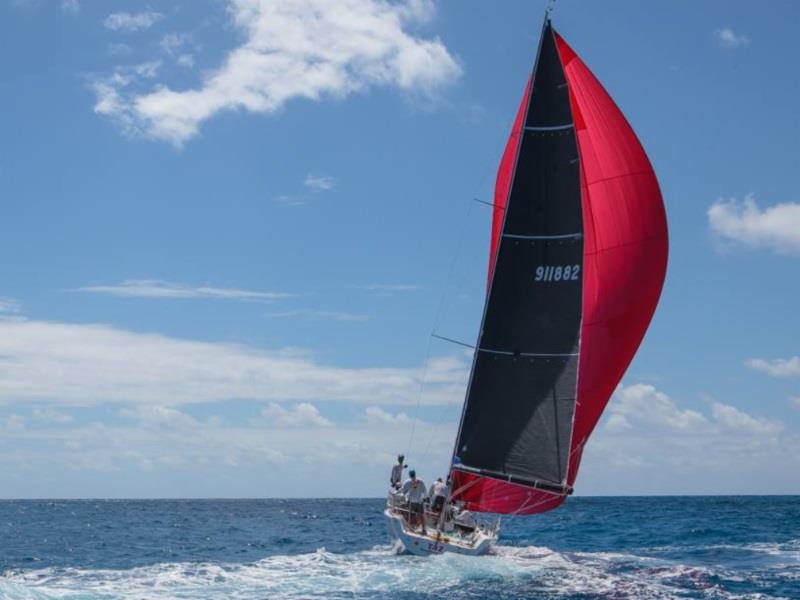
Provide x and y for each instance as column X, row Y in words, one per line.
column 678, row 547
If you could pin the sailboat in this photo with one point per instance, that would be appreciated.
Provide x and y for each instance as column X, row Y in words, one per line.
column 577, row 262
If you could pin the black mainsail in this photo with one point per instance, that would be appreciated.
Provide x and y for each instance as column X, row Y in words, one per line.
column 517, row 419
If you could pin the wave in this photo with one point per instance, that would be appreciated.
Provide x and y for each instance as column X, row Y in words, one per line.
column 510, row 572
column 789, row 548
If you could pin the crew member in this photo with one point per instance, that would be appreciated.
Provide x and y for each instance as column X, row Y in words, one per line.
column 437, row 494
column 414, row 490
column 397, row 472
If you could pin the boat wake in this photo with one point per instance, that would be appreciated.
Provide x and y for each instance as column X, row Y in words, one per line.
column 510, row 572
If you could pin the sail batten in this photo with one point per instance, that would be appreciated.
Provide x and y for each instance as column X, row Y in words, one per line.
column 562, row 236
column 550, row 128
column 577, row 261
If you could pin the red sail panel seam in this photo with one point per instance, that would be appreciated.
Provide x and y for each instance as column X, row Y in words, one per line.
column 637, row 241
column 614, row 177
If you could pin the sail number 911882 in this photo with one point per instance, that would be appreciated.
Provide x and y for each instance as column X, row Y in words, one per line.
column 558, row 273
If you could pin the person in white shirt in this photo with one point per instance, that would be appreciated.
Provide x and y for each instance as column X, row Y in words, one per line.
column 437, row 494
column 397, row 472
column 415, row 492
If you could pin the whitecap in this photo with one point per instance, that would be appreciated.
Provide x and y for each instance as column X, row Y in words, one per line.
column 510, row 572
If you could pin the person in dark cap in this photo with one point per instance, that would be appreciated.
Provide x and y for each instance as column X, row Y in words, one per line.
column 416, row 493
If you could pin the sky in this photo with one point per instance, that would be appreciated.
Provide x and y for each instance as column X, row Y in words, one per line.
column 229, row 228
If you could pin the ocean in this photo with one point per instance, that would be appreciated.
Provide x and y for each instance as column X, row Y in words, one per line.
column 636, row 547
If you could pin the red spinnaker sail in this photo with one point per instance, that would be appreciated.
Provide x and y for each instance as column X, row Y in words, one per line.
column 624, row 264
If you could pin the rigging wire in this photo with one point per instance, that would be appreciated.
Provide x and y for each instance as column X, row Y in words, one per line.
column 446, row 407
column 490, row 165
column 488, row 169
column 436, row 322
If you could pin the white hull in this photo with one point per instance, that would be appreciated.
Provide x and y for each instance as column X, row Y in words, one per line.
column 406, row 540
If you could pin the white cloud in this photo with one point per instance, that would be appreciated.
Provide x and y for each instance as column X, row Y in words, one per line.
column 731, row 418
column 10, row 310
column 650, row 443
column 776, row 227
column 49, row 414
column 110, row 91
column 312, row 49
column 795, row 400
column 119, row 49
column 171, row 43
column 12, row 423
column 159, row 416
column 91, row 364
column 315, row 183
column 643, row 406
column 617, row 422
column 304, row 454
column 185, row 60
column 319, row 183
column 9, row 306
column 174, row 45
column 290, row 200
column 375, row 414
column 300, row 415
column 310, row 313
column 643, row 403
column 779, row 367
column 71, row 6
column 387, row 287
column 147, row 70
column 123, row 21
column 153, row 288
column 728, row 38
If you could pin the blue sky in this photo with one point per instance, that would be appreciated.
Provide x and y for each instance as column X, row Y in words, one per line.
column 229, row 228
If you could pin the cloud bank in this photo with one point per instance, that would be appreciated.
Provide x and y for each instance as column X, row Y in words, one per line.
column 649, row 443
column 91, row 364
column 311, row 49
column 649, row 409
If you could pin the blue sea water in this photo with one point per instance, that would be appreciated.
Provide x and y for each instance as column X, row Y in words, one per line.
column 676, row 547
